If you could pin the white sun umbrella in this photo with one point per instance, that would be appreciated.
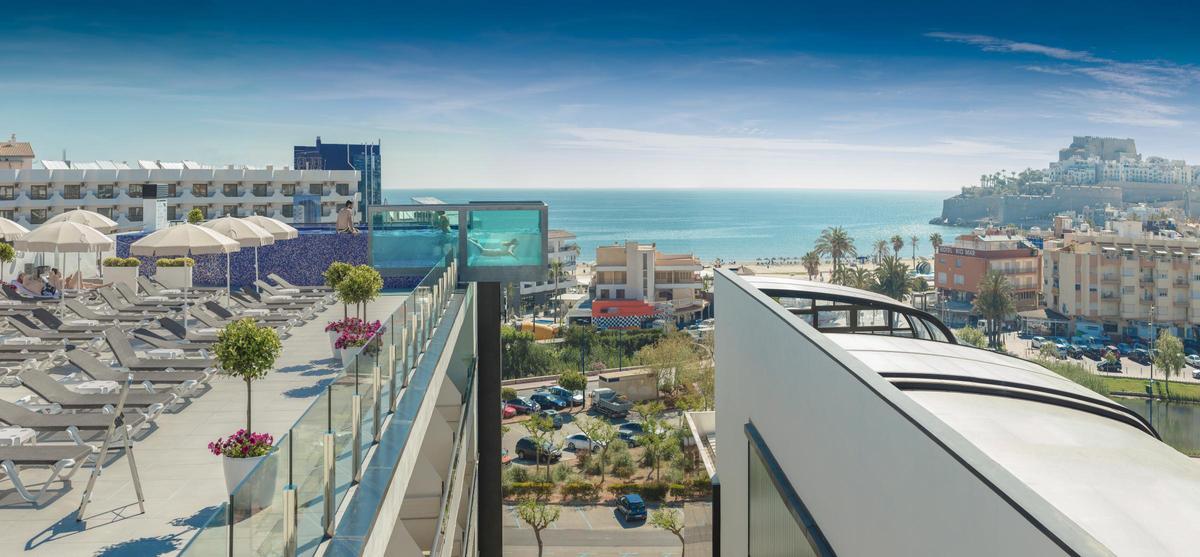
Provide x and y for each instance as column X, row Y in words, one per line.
column 246, row 233
column 64, row 237
column 10, row 231
column 279, row 229
column 90, row 218
column 183, row 240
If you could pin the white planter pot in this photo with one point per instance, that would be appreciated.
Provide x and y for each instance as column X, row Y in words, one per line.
column 122, row 275
column 348, row 354
column 174, row 277
column 259, row 493
column 332, row 340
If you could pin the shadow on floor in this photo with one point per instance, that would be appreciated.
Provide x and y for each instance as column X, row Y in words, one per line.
column 310, row 391
column 160, row 545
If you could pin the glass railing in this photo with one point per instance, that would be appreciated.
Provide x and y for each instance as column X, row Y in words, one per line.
column 286, row 505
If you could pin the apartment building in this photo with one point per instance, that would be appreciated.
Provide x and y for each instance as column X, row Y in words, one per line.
column 15, row 155
column 959, row 268
column 362, row 157
column 561, row 247
column 30, row 196
column 1125, row 280
column 636, row 271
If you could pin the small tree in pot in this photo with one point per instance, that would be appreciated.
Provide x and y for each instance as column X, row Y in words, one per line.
column 245, row 351
column 195, row 216
column 361, row 285
column 334, row 274
column 7, row 255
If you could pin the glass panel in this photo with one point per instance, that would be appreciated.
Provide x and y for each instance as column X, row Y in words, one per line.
column 872, row 318
column 213, row 538
column 412, row 239
column 364, row 365
column 341, row 394
column 308, row 464
column 504, row 238
column 773, row 531
column 833, row 318
column 258, row 505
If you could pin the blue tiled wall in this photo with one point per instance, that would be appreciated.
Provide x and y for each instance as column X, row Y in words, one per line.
column 301, row 261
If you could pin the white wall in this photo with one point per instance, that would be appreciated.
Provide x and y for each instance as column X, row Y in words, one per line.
column 875, row 483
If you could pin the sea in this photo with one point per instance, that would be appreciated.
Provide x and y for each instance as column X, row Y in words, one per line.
column 736, row 225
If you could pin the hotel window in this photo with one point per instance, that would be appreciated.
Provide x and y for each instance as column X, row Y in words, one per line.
column 620, row 294
column 289, row 210
column 37, row 216
column 135, row 190
column 260, row 190
column 957, row 262
column 289, row 189
column 199, row 190
column 134, row 214
column 316, row 189
column 230, row 190
column 260, row 210
column 959, row 280
column 105, row 191
column 203, row 211
column 777, row 522
column 230, row 210
column 106, row 211
column 172, row 213
column 72, row 191
column 343, row 189
column 941, row 277
column 173, row 190
column 8, row 193
column 39, row 192
column 11, row 214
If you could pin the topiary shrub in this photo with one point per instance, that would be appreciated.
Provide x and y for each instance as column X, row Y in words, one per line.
column 247, row 351
column 195, row 216
column 580, row 490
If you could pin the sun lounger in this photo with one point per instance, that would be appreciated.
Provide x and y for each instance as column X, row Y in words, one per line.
column 195, row 333
column 226, row 315
column 77, row 326
column 294, row 292
column 85, row 312
column 123, row 350
column 98, row 370
column 248, row 298
column 11, row 293
column 57, row 457
column 115, row 297
column 28, row 328
column 16, row 415
column 57, row 394
column 118, row 303
column 159, row 341
column 285, row 284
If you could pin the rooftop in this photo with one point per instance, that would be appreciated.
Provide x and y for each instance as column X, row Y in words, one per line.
column 14, row 148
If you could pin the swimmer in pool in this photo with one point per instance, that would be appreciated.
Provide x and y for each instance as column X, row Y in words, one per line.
column 509, row 248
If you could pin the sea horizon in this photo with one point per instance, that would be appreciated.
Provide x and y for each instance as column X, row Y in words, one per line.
column 735, row 224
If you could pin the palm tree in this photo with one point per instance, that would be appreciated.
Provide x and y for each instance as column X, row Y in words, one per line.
column 812, row 263
column 842, row 275
column 912, row 241
column 935, row 240
column 897, row 244
column 994, row 302
column 837, row 244
column 556, row 269
column 891, row 278
column 881, row 249
column 861, row 277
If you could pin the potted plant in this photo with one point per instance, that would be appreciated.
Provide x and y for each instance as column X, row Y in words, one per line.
column 175, row 272
column 336, row 328
column 360, row 285
column 122, row 270
column 195, row 216
column 246, row 351
column 355, row 333
column 334, row 275
column 7, row 255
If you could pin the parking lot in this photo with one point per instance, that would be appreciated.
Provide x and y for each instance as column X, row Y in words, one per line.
column 1129, row 368
column 597, row 531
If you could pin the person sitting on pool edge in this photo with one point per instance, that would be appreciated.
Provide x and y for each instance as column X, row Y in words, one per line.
column 345, row 219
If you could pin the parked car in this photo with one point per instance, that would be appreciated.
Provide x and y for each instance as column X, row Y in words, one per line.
column 1113, row 366
column 1140, row 355
column 574, row 397
column 527, row 448
column 581, row 442
column 1124, row 349
column 523, row 405
column 1024, row 335
column 1196, row 374
column 1075, row 351
column 547, row 400
column 631, row 507
column 1192, row 360
column 1037, row 342
column 555, row 418
column 507, row 410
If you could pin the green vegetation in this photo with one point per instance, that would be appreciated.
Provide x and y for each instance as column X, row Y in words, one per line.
column 7, row 255
column 247, row 352
column 1169, row 358
column 812, row 264
column 891, row 278
column 583, row 349
column 538, row 516
column 195, row 216
column 975, row 337
column 173, row 262
column 360, row 286
column 1078, row 373
column 897, row 245
column 837, row 244
column 122, row 262
column 670, row 520
column 994, row 302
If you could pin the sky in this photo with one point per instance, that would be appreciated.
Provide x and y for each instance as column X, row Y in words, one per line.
column 616, row 94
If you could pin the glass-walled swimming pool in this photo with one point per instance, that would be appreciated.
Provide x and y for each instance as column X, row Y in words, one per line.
column 412, row 239
column 504, row 238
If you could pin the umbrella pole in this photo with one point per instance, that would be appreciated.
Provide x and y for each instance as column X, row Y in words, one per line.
column 228, row 289
column 256, row 279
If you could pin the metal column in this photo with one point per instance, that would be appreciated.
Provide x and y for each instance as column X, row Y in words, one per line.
column 487, row 327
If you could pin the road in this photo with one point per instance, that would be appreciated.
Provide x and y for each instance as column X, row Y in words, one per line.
column 1129, row 368
column 597, row 531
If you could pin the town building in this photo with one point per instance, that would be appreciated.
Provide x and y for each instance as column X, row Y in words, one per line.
column 361, row 157
column 1125, row 280
column 959, row 268
column 15, row 155
column 941, row 448
column 561, row 248
column 636, row 271
column 30, row 196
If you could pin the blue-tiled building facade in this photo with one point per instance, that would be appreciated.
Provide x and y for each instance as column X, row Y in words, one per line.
column 362, row 157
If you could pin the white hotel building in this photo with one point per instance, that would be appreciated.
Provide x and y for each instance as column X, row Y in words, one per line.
column 30, row 196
